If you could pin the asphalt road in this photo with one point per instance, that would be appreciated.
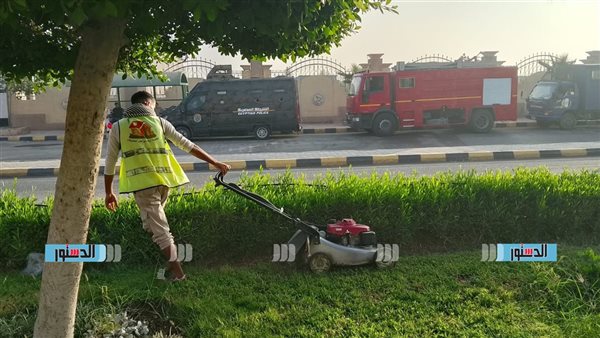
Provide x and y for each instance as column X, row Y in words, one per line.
column 42, row 187
column 50, row 150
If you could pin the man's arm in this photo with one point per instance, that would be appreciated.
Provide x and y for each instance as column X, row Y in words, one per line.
column 203, row 155
column 111, row 199
column 109, row 167
column 188, row 146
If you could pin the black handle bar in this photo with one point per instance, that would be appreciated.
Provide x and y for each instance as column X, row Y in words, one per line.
column 310, row 229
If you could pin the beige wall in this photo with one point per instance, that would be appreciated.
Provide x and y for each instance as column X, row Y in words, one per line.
column 47, row 111
column 322, row 99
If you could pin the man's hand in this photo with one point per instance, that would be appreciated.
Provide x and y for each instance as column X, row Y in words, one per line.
column 222, row 167
column 111, row 202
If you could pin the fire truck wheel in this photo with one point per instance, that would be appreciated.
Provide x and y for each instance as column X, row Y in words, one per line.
column 384, row 124
column 482, row 121
column 568, row 121
column 319, row 263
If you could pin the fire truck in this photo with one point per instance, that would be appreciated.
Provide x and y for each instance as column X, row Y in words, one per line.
column 433, row 95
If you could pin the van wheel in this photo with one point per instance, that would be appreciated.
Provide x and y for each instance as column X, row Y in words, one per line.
column 568, row 121
column 185, row 131
column 482, row 121
column 384, row 124
column 262, row 132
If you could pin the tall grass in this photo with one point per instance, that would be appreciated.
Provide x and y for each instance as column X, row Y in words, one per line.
column 448, row 211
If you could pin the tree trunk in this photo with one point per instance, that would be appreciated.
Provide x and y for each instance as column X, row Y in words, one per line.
column 92, row 77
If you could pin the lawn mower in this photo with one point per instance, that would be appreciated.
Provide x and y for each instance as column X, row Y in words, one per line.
column 342, row 242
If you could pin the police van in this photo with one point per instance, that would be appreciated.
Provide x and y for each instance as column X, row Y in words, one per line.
column 223, row 105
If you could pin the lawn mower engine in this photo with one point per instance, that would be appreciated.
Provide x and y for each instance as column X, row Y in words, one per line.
column 348, row 233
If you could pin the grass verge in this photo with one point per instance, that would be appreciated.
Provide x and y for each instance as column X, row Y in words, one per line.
column 428, row 295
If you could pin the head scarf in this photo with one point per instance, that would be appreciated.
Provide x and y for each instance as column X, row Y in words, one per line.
column 139, row 109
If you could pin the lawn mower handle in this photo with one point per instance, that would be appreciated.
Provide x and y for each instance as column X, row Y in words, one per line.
column 310, row 229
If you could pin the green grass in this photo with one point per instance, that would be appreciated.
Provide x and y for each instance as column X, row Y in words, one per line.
column 444, row 212
column 429, row 295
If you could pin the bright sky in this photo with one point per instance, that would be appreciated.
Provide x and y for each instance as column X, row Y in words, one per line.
column 514, row 28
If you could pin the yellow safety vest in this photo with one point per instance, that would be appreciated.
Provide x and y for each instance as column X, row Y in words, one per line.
column 146, row 158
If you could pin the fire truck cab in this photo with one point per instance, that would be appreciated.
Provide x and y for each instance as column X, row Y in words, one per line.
column 442, row 95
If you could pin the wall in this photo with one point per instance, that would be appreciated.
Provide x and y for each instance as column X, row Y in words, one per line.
column 47, row 111
column 322, row 99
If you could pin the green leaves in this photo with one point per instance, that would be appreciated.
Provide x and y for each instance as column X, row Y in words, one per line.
column 77, row 17
column 44, row 36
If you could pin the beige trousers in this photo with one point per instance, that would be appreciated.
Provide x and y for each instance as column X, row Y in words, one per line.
column 151, row 202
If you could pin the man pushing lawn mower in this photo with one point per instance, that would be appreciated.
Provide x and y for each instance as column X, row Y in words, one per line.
column 148, row 169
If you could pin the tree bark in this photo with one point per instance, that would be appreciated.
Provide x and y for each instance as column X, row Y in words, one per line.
column 74, row 192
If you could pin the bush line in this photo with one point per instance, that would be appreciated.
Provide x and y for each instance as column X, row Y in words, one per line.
column 448, row 211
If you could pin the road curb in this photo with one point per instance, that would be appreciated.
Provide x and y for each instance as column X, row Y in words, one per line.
column 36, row 138
column 307, row 131
column 334, row 162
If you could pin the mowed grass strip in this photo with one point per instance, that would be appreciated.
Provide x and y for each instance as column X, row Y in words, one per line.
column 424, row 296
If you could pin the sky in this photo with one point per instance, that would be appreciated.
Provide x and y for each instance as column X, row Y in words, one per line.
column 516, row 29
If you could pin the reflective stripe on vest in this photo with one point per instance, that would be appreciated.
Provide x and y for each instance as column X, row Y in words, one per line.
column 146, row 160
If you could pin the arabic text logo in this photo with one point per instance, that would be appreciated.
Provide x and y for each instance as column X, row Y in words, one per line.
column 139, row 129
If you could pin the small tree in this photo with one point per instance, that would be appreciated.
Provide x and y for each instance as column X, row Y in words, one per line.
column 87, row 41
column 553, row 69
column 354, row 68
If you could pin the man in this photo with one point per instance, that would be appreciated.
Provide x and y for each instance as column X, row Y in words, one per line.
column 148, row 169
column 116, row 114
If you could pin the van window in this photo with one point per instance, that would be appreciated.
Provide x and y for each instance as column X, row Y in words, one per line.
column 195, row 102
column 374, row 84
column 407, row 82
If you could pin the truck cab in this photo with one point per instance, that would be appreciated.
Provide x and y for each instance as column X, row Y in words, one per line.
column 369, row 103
column 552, row 101
column 569, row 96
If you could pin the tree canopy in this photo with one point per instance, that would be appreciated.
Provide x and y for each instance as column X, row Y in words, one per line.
column 41, row 38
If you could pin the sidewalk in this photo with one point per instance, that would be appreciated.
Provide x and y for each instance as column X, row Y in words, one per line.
column 324, row 159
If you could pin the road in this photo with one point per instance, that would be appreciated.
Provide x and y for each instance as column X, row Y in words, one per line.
column 330, row 143
column 42, row 187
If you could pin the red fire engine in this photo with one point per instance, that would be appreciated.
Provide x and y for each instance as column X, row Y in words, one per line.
column 432, row 95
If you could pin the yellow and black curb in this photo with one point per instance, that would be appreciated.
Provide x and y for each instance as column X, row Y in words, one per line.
column 35, row 138
column 330, row 162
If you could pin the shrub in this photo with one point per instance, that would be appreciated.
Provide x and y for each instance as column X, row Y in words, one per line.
column 447, row 211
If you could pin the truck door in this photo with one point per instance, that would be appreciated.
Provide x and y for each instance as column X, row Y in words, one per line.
column 376, row 93
column 406, row 106
column 196, row 116
column 223, row 114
